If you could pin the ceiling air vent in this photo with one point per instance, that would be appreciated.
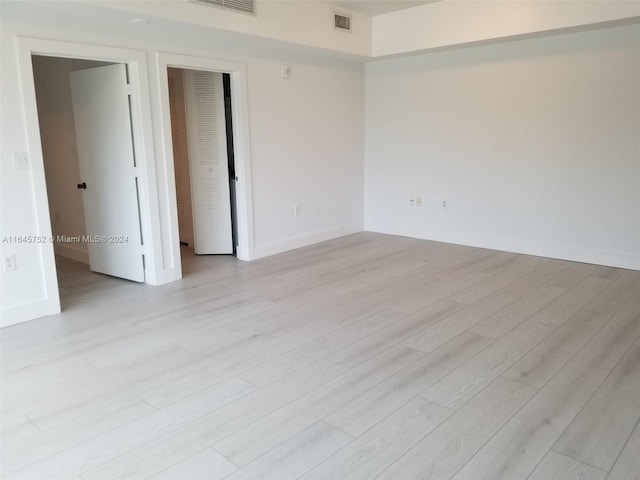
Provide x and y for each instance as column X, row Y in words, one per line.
column 245, row 6
column 341, row 22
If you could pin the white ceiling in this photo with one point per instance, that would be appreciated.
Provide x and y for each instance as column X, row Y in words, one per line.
column 377, row 7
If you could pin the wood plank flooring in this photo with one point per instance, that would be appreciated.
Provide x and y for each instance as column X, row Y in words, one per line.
column 368, row 356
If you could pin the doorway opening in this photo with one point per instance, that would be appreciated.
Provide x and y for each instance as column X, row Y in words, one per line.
column 157, row 216
column 87, row 142
column 201, row 117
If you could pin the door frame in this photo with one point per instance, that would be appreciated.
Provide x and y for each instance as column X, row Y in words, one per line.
column 158, row 207
column 141, row 121
column 240, row 122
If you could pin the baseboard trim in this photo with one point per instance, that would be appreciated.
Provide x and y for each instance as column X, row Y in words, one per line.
column 172, row 274
column 165, row 276
column 274, row 248
column 71, row 252
column 23, row 312
column 563, row 252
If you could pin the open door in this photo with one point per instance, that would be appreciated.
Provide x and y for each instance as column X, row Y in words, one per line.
column 209, row 169
column 102, row 117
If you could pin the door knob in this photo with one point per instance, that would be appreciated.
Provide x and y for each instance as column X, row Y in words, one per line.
column 82, row 186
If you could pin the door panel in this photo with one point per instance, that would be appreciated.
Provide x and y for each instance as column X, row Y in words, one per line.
column 204, row 101
column 107, row 165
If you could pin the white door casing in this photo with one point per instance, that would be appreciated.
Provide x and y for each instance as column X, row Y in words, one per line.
column 209, row 170
column 155, row 160
column 242, row 153
column 102, row 118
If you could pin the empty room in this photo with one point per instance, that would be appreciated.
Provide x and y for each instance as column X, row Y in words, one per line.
column 320, row 239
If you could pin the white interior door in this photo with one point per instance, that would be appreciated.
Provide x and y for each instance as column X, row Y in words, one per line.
column 102, row 117
column 204, row 104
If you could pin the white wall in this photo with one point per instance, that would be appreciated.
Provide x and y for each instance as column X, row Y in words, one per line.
column 457, row 22
column 534, row 144
column 58, row 136
column 306, row 136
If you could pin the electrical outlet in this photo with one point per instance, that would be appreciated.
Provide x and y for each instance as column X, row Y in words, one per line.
column 286, row 71
column 296, row 210
column 412, row 202
column 444, row 204
column 9, row 263
column 418, row 201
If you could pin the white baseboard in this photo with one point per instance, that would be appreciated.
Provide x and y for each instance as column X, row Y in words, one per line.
column 23, row 312
column 564, row 252
column 172, row 274
column 165, row 276
column 72, row 252
column 303, row 241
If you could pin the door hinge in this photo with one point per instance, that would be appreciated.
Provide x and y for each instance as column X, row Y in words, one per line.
column 144, row 263
column 128, row 88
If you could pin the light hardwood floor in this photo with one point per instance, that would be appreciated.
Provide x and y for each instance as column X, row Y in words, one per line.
column 369, row 356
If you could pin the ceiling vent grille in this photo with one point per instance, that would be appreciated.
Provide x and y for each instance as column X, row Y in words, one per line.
column 341, row 22
column 245, row 6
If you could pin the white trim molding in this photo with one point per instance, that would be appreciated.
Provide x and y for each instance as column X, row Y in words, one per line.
column 166, row 176
column 305, row 240
column 541, row 249
column 143, row 137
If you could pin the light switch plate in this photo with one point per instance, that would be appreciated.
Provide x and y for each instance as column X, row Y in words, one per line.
column 21, row 161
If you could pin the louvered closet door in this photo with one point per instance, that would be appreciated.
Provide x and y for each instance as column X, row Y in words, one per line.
column 209, row 168
column 180, row 155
